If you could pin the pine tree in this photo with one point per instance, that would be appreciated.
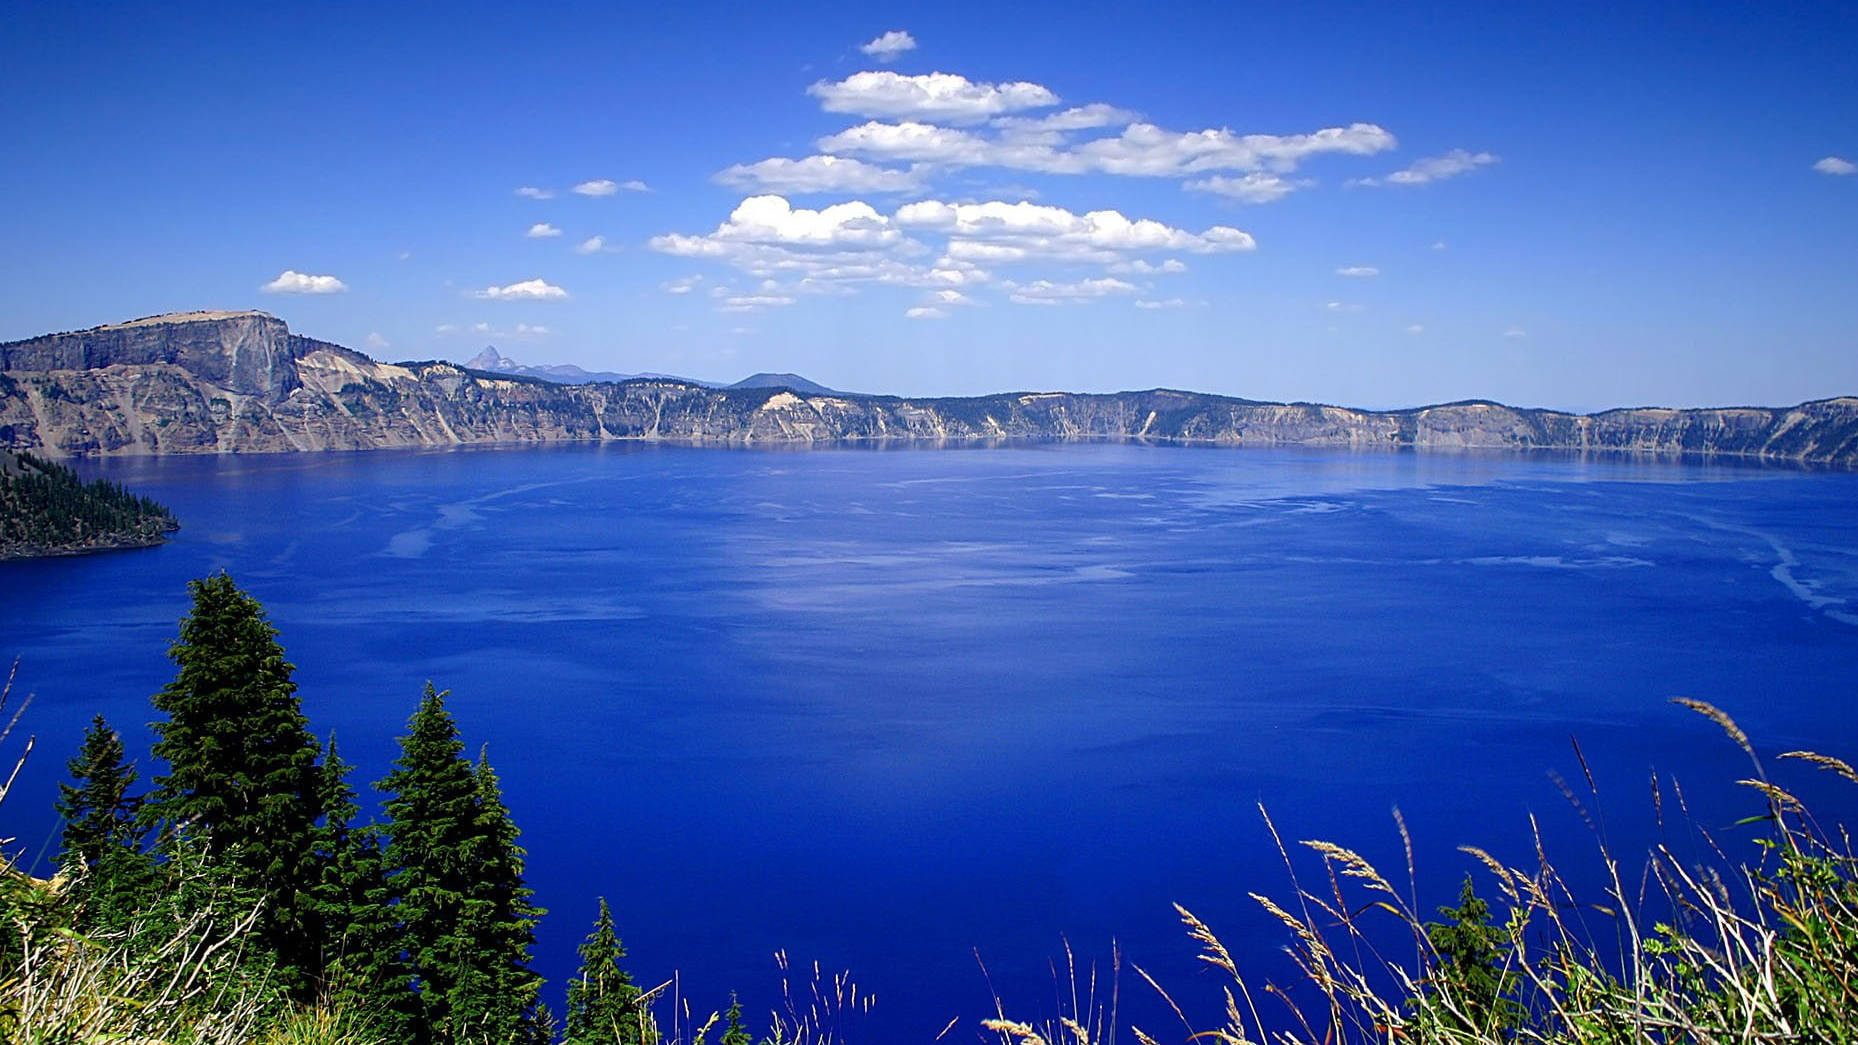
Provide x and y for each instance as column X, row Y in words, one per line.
column 102, row 842
column 454, row 875
column 734, row 1031
column 98, row 811
column 344, row 911
column 241, row 761
column 604, row 1007
column 508, row 932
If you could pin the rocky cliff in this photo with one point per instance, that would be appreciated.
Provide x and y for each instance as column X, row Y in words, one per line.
column 226, row 382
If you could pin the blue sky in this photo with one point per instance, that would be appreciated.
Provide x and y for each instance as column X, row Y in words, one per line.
column 1576, row 206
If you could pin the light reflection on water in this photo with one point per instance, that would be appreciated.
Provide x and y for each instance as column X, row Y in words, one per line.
column 882, row 708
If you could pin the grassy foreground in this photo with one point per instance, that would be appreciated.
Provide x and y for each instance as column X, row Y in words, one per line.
column 1762, row 950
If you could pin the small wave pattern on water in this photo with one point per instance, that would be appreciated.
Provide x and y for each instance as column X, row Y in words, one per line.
column 880, row 709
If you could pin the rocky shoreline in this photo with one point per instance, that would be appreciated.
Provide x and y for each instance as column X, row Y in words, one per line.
column 241, row 382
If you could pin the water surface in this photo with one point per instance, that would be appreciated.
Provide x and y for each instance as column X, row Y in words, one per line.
column 881, row 709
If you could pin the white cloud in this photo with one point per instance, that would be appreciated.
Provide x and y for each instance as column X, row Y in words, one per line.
column 1358, row 271
column 607, row 187
column 1438, row 244
column 1046, row 292
column 290, row 281
column 819, row 174
column 951, row 297
column 681, row 285
column 1342, row 306
column 1145, row 149
column 886, row 48
column 542, row 230
column 924, row 312
column 531, row 192
column 1141, row 150
column 527, row 290
column 377, row 342
column 772, row 221
column 1256, row 187
column 997, row 231
column 1154, row 305
column 1416, row 329
column 1143, row 267
column 1434, row 168
column 1836, row 165
column 1515, row 332
column 593, row 245
column 1080, row 118
column 931, row 96
column 911, row 140
column 754, row 302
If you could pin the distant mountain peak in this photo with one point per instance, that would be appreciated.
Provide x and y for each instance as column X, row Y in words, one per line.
column 793, row 381
column 491, row 359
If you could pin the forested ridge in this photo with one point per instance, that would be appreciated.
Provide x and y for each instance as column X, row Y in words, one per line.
column 238, row 896
column 46, row 509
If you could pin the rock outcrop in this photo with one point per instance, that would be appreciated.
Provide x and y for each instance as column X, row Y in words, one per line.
column 240, row 382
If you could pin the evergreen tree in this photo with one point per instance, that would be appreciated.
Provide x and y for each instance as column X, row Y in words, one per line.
column 1469, row 988
column 509, row 919
column 734, row 1031
column 345, row 910
column 98, row 810
column 242, row 776
column 604, row 1007
column 454, row 876
column 102, row 842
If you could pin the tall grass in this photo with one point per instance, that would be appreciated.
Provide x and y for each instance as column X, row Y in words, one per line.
column 1763, row 949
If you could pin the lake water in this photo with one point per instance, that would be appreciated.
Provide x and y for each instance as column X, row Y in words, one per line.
column 882, row 709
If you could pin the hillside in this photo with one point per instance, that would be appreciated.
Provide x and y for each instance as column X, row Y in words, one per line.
column 224, row 382
column 45, row 509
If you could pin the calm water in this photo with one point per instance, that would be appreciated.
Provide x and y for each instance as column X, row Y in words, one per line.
column 881, row 709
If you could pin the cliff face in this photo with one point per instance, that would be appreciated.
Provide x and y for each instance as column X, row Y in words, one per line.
column 241, row 382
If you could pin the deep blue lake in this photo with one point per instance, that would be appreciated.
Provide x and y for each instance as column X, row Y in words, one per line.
column 883, row 708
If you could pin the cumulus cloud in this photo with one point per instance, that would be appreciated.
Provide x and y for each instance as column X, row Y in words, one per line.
column 924, row 312
column 290, row 281
column 1144, row 267
column 377, row 342
column 1046, row 292
column 947, row 97
column 607, row 187
column 542, row 230
column 1836, row 165
column 1140, row 150
column 1515, row 332
column 886, row 48
column 1358, row 271
column 771, row 220
column 997, row 231
column 681, row 285
column 1342, row 306
column 1256, row 187
column 1152, row 305
column 1434, row 168
column 1081, row 118
column 819, row 174
column 531, row 192
column 527, row 290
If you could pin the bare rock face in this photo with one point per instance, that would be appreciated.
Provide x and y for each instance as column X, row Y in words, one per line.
column 240, row 382
column 250, row 353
